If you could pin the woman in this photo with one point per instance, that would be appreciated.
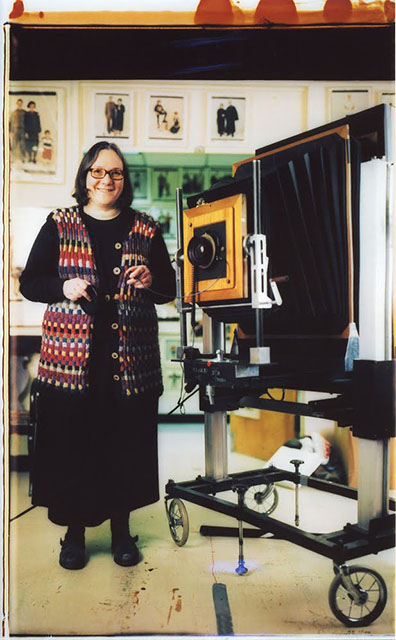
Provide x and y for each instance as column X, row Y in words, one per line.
column 32, row 130
column 100, row 266
column 175, row 123
column 118, row 117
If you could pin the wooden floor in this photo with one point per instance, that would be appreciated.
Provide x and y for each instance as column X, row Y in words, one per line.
column 285, row 591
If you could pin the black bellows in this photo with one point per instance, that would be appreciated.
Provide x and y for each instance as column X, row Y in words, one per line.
column 304, row 193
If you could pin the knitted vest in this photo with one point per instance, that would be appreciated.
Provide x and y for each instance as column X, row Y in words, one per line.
column 67, row 329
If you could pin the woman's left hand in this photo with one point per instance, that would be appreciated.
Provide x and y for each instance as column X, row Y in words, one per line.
column 139, row 276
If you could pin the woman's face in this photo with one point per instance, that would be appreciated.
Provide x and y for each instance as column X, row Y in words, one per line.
column 104, row 192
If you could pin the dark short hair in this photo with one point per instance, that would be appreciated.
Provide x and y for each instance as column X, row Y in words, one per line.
column 80, row 186
column 31, row 102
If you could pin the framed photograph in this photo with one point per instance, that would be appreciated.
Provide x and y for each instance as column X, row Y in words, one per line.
column 166, row 117
column 164, row 183
column 36, row 126
column 193, row 181
column 346, row 102
column 165, row 215
column 171, row 345
column 139, row 183
column 165, row 218
column 227, row 116
column 112, row 115
column 216, row 174
column 172, row 378
column 386, row 97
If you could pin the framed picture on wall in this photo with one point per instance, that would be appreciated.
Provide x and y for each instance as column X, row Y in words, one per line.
column 36, row 129
column 216, row 174
column 139, row 183
column 227, row 118
column 112, row 115
column 171, row 345
column 346, row 102
column 193, row 181
column 165, row 215
column 166, row 117
column 164, row 183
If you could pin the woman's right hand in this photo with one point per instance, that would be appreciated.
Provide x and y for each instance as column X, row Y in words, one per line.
column 75, row 288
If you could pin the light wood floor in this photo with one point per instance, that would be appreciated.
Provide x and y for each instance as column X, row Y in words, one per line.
column 285, row 591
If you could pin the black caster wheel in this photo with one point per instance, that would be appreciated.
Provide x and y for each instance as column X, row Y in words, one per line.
column 178, row 521
column 359, row 597
column 262, row 498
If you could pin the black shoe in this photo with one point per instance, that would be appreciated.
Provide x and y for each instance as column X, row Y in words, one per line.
column 125, row 552
column 72, row 555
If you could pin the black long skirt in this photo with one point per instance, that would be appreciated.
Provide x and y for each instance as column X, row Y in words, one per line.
column 94, row 455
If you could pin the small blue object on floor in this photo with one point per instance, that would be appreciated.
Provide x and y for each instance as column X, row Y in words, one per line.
column 241, row 568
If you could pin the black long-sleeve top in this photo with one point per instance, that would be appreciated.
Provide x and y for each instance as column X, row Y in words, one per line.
column 40, row 281
column 32, row 124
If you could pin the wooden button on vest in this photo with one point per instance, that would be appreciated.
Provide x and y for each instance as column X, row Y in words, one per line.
column 114, row 355
column 114, row 326
column 118, row 245
column 107, row 297
column 116, row 271
column 116, row 377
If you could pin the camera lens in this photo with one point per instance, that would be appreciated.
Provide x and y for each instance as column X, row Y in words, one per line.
column 201, row 251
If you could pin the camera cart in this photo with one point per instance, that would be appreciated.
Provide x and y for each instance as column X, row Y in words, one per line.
column 222, row 265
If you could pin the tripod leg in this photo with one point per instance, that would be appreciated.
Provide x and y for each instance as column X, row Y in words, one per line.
column 241, row 568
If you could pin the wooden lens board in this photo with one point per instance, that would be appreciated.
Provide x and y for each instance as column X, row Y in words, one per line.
column 205, row 219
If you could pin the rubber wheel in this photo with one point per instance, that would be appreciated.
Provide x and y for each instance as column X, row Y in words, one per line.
column 373, row 595
column 262, row 498
column 178, row 521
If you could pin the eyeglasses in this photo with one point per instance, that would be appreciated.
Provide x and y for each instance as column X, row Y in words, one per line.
column 98, row 173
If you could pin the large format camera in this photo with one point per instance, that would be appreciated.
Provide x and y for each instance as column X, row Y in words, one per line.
column 295, row 249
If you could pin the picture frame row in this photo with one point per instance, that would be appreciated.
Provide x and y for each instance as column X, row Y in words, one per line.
column 166, row 116
column 37, row 122
column 159, row 183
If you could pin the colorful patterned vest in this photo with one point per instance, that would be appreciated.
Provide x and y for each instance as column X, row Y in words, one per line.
column 67, row 329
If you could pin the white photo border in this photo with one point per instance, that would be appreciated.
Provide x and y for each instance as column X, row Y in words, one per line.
column 26, row 91
column 389, row 99
column 224, row 142
column 125, row 141
column 345, row 91
column 164, row 138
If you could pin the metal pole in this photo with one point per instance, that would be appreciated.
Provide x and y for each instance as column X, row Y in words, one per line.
column 257, row 221
column 179, row 268
column 375, row 251
column 257, row 225
column 216, row 449
column 241, row 568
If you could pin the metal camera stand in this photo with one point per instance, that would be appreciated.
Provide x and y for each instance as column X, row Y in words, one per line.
column 357, row 595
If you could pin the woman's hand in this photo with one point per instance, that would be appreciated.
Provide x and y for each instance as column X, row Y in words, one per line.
column 139, row 276
column 75, row 288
